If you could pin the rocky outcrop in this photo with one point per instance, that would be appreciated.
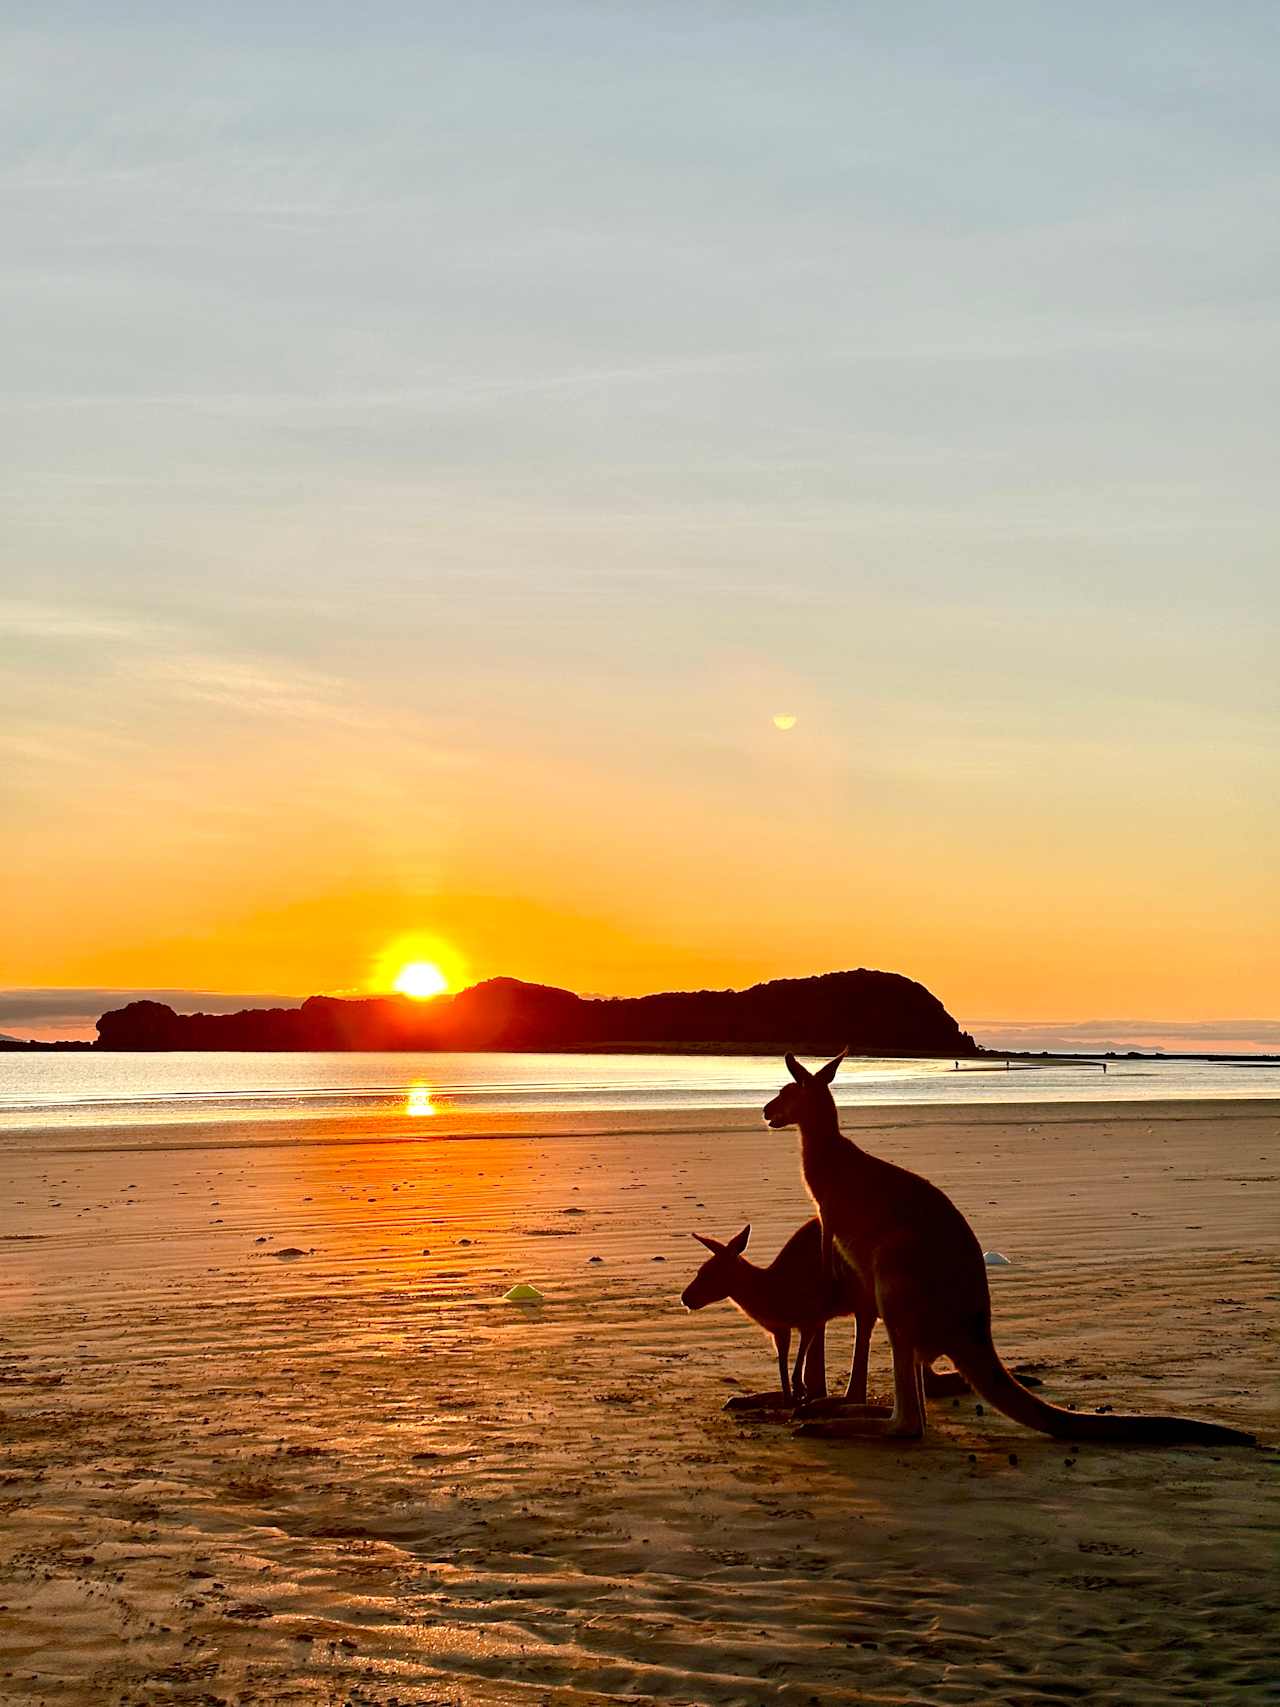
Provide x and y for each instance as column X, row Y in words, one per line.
column 871, row 1013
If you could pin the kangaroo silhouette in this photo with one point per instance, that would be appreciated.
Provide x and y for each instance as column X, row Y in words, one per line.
column 794, row 1294
column 917, row 1255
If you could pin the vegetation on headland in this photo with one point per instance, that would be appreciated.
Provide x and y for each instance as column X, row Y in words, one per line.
column 870, row 1013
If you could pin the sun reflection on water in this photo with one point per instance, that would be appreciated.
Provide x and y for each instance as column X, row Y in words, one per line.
column 419, row 1100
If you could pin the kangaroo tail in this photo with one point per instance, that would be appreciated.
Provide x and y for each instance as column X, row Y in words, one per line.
column 975, row 1356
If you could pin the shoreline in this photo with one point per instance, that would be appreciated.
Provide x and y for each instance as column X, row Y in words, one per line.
column 980, row 1056
column 726, row 1049
column 199, row 1131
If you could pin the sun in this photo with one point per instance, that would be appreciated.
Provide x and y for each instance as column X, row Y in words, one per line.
column 421, row 979
column 418, row 964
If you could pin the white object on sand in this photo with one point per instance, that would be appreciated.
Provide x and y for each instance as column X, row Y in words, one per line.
column 522, row 1293
column 994, row 1259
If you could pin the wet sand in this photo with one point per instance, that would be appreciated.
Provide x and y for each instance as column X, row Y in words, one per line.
column 356, row 1475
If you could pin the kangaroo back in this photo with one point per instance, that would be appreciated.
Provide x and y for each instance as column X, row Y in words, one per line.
column 802, row 1290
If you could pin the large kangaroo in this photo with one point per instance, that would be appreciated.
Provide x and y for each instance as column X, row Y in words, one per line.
column 917, row 1255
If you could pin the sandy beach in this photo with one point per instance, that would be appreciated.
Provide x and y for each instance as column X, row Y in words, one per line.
column 355, row 1474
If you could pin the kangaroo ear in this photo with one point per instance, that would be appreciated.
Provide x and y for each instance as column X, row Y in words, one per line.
column 712, row 1245
column 738, row 1243
column 800, row 1074
column 824, row 1075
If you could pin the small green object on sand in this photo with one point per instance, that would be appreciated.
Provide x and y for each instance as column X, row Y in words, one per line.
column 522, row 1294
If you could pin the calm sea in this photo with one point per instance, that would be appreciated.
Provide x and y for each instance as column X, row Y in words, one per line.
column 53, row 1092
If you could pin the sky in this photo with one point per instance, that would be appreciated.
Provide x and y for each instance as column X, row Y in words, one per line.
column 439, row 442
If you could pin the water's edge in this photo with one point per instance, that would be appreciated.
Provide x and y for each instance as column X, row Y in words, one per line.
column 58, row 1092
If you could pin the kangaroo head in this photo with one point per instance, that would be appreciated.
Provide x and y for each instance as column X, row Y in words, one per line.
column 714, row 1280
column 808, row 1094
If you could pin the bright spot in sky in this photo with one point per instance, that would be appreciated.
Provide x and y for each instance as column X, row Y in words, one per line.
column 784, row 720
column 421, row 978
column 418, row 964
column 419, row 1101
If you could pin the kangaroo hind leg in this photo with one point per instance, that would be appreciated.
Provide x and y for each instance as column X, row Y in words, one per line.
column 782, row 1345
column 905, row 1422
column 854, row 1402
column 814, row 1375
column 797, row 1373
column 864, row 1327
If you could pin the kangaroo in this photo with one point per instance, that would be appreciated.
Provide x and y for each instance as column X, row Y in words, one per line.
column 793, row 1293
column 917, row 1255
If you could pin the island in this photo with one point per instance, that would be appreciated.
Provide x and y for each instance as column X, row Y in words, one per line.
column 866, row 1012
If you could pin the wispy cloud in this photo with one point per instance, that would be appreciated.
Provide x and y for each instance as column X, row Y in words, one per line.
column 1210, row 1036
column 70, row 1013
column 22, row 620
column 277, row 692
column 249, row 685
column 446, row 392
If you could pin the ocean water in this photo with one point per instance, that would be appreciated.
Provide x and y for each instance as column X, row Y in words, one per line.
column 54, row 1092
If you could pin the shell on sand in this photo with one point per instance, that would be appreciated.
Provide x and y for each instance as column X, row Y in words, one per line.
column 522, row 1293
column 996, row 1259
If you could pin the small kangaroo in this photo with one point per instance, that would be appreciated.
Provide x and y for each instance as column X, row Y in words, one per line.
column 917, row 1255
column 791, row 1294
